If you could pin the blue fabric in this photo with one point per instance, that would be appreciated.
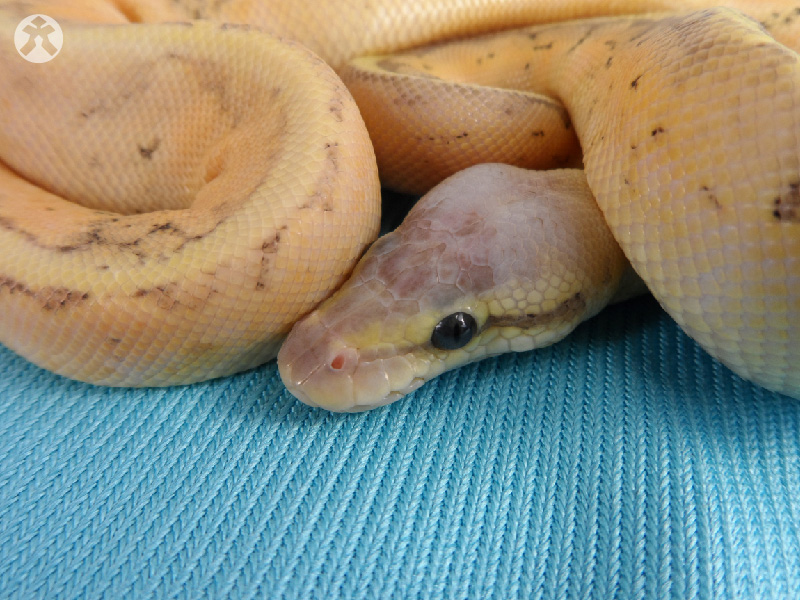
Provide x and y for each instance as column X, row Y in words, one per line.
column 620, row 463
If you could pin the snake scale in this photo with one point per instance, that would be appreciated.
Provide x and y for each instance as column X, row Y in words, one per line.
column 176, row 194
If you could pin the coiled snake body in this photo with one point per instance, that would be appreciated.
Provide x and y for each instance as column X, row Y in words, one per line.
column 255, row 184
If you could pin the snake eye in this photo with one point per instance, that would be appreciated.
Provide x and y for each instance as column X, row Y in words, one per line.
column 454, row 331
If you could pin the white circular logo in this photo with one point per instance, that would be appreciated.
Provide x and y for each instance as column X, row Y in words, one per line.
column 38, row 38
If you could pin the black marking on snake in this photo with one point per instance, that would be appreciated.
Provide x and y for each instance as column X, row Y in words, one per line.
column 50, row 298
column 585, row 37
column 13, row 286
column 336, row 108
column 656, row 131
column 569, row 308
column 635, row 82
column 609, row 61
column 787, row 206
column 538, row 133
column 147, row 151
column 98, row 108
column 62, row 298
column 332, row 154
column 548, row 46
column 90, row 237
column 197, row 237
column 9, row 225
column 462, row 136
column 95, row 235
column 788, row 20
column 711, row 196
column 163, row 227
column 269, row 247
column 165, row 296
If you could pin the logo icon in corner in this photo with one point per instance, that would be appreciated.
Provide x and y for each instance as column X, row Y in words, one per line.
column 38, row 38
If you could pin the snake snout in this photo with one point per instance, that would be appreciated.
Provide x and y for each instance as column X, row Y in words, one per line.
column 321, row 368
column 316, row 371
column 336, row 377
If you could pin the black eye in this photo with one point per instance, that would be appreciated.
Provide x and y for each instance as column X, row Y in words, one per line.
column 454, row 331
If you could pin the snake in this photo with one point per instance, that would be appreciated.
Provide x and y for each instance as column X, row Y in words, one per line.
column 186, row 182
column 689, row 128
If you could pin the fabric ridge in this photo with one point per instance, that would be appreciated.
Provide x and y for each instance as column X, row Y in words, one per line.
column 619, row 463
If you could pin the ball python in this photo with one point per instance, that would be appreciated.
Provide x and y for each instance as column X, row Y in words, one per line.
column 690, row 131
column 176, row 193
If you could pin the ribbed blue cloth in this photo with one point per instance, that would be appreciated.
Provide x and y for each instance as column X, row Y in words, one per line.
column 620, row 463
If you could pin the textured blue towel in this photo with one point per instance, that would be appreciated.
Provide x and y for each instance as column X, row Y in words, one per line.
column 620, row 463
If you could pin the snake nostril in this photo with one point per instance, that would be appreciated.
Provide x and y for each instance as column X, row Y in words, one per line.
column 342, row 360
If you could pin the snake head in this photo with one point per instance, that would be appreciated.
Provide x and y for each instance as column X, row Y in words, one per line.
column 490, row 261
